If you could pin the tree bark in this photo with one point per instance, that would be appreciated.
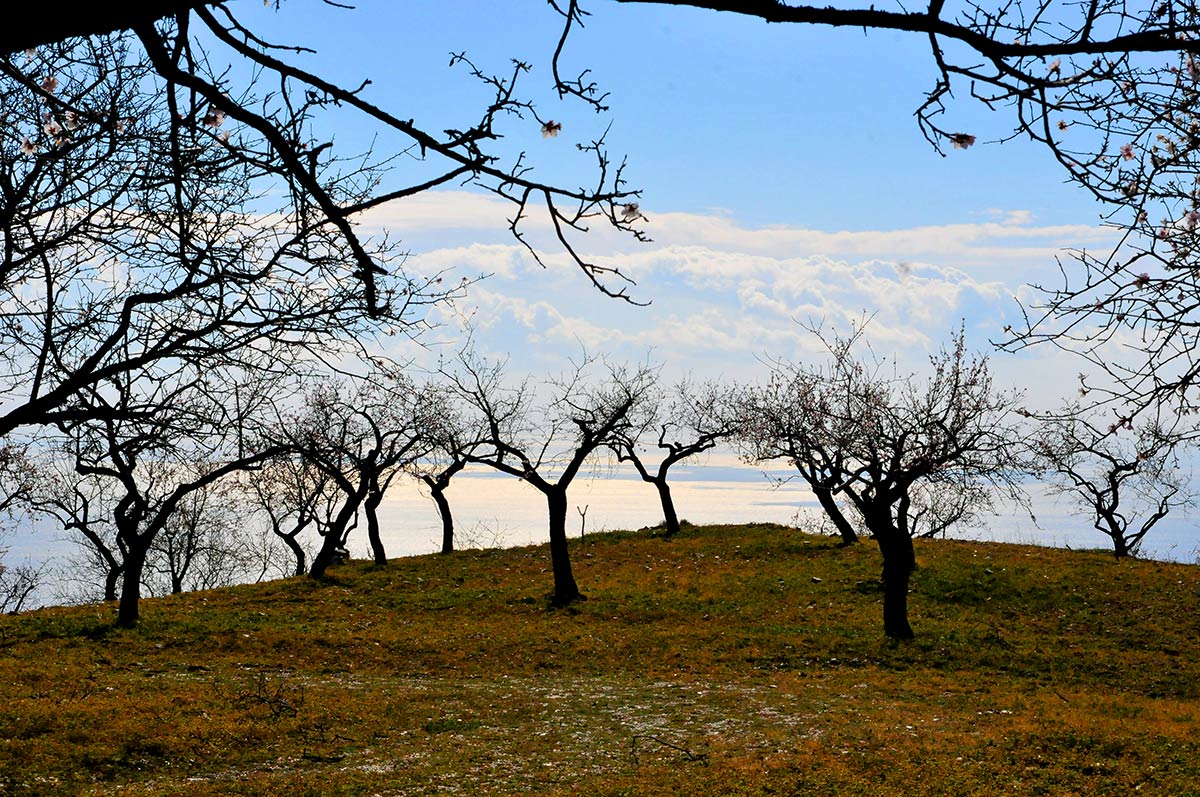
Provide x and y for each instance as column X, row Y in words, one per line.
column 131, row 583
column 670, row 519
column 334, row 536
column 87, row 18
column 899, row 561
column 111, row 579
column 565, row 588
column 834, row 513
column 438, row 491
column 374, row 498
column 1117, row 535
column 298, row 552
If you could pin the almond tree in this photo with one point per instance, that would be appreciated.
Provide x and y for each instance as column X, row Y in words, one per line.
column 881, row 439
column 206, row 542
column 548, row 443
column 143, row 260
column 791, row 418
column 453, row 440
column 1126, row 475
column 156, row 444
column 17, row 483
column 361, row 433
column 689, row 419
column 293, row 495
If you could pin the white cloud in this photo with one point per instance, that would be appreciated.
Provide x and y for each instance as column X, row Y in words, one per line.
column 724, row 295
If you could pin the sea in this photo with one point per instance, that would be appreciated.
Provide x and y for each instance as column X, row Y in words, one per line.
column 494, row 510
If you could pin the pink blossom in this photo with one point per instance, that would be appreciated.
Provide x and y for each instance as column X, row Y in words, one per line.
column 631, row 212
column 28, row 147
column 551, row 129
column 1054, row 67
column 214, row 118
column 1127, row 152
column 49, row 84
column 962, row 140
column 1062, row 124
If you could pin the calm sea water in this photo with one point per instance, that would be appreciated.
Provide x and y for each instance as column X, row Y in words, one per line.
column 492, row 510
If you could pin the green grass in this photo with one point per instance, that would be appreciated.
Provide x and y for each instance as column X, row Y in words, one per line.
column 739, row 660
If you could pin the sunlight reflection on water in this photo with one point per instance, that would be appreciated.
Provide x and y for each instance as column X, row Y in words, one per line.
column 490, row 510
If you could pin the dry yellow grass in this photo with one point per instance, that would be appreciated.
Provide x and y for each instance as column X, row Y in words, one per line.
column 730, row 660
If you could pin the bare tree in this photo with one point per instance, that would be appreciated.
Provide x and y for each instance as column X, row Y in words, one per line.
column 689, row 419
column 791, row 418
column 453, row 439
column 577, row 419
column 361, row 435
column 161, row 442
column 144, row 263
column 883, row 439
column 1126, row 475
column 84, row 507
column 17, row 484
column 206, row 542
column 291, row 492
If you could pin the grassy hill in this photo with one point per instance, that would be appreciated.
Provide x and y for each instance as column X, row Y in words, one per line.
column 731, row 660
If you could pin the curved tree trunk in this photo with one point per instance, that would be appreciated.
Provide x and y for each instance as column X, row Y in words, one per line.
column 834, row 513
column 1116, row 534
column 670, row 519
column 565, row 588
column 111, row 579
column 438, row 491
column 335, row 536
column 374, row 498
column 298, row 552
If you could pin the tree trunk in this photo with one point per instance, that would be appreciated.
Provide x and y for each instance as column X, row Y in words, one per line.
column 374, row 498
column 670, row 519
column 898, row 563
column 834, row 513
column 334, row 535
column 438, row 491
column 565, row 588
column 298, row 552
column 111, row 579
column 1116, row 534
column 131, row 584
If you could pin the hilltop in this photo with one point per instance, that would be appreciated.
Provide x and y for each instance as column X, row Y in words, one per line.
column 728, row 660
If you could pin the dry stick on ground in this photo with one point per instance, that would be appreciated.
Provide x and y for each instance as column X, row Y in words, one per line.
column 687, row 754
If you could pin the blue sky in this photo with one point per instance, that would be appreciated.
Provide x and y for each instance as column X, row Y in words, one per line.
column 784, row 179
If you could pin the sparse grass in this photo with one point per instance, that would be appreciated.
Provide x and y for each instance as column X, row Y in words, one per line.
column 738, row 660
